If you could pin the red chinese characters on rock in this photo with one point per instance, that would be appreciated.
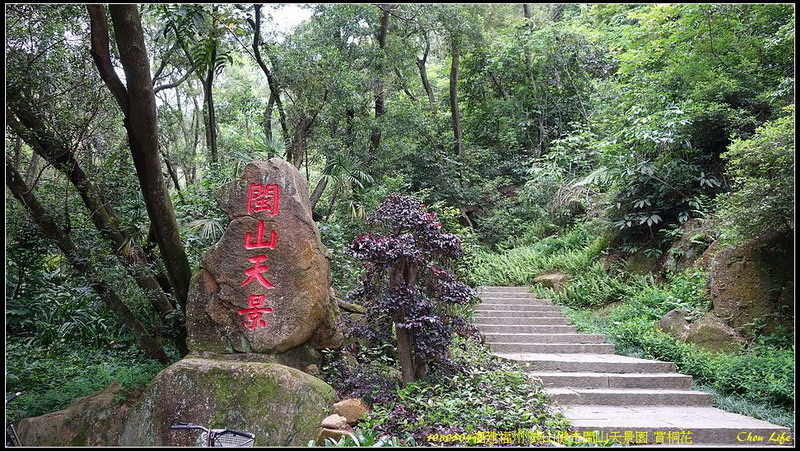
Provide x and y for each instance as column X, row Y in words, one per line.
column 258, row 243
column 260, row 198
column 264, row 198
column 255, row 311
column 254, row 273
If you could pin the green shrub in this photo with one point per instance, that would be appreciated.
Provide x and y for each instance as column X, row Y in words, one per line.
column 483, row 394
column 52, row 378
column 762, row 171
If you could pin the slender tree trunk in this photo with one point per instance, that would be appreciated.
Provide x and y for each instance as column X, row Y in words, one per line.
column 526, row 10
column 412, row 366
column 196, row 119
column 298, row 148
column 211, row 124
column 423, row 73
column 317, row 194
column 138, row 104
column 268, row 118
column 33, row 169
column 456, row 117
column 274, row 89
column 172, row 174
column 380, row 106
column 32, row 129
column 81, row 264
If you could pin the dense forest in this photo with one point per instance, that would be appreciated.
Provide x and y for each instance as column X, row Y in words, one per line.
column 572, row 137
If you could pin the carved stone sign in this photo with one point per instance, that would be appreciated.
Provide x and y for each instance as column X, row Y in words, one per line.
column 264, row 287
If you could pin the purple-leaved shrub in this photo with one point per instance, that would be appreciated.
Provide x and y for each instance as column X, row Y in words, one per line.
column 408, row 284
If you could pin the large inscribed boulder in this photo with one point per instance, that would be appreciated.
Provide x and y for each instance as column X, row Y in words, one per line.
column 264, row 287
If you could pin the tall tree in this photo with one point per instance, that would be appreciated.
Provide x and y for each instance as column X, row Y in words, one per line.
column 138, row 105
column 81, row 263
column 380, row 69
column 455, row 46
column 274, row 88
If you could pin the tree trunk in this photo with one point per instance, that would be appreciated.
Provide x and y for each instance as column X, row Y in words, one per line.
column 173, row 175
column 298, row 148
column 211, row 123
column 380, row 106
column 81, row 264
column 274, row 89
column 412, row 366
column 268, row 118
column 526, row 10
column 138, row 104
column 317, row 194
column 30, row 127
column 33, row 169
column 456, row 117
column 423, row 73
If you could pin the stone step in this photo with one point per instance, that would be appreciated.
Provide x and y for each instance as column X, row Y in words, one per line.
column 672, row 425
column 522, row 319
column 531, row 301
column 525, row 329
column 629, row 397
column 557, row 379
column 491, row 289
column 517, row 307
column 501, row 295
column 553, row 348
column 530, row 308
column 600, row 363
column 517, row 300
column 518, row 314
column 533, row 338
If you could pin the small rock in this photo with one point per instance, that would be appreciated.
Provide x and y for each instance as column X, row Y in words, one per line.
column 556, row 281
column 674, row 323
column 353, row 409
column 334, row 422
column 312, row 369
column 711, row 334
column 335, row 434
column 394, row 374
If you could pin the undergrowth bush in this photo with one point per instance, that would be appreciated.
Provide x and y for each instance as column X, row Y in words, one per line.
column 52, row 378
column 479, row 393
column 571, row 253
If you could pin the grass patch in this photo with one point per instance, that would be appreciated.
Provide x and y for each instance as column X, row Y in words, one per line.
column 51, row 378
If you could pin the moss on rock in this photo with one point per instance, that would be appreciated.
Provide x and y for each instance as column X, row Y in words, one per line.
column 282, row 406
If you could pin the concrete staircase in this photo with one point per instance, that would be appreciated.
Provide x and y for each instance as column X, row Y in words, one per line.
column 606, row 396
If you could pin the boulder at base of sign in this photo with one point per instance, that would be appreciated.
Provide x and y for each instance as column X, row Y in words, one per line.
column 264, row 287
column 282, row 406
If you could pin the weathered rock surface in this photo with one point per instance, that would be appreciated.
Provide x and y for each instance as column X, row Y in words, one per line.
column 556, row 281
column 685, row 251
column 751, row 284
column 282, row 406
column 711, row 334
column 352, row 409
column 333, row 434
column 94, row 420
column 334, row 421
column 674, row 323
column 270, row 258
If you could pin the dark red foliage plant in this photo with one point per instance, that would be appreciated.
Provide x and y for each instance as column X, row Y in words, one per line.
column 407, row 287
